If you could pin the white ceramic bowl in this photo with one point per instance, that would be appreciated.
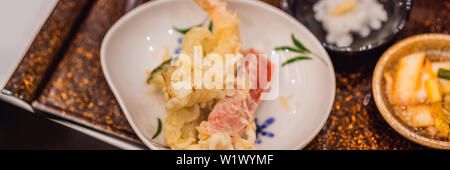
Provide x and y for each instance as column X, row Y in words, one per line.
column 135, row 44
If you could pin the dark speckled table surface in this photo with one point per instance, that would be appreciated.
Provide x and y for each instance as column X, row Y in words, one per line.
column 60, row 76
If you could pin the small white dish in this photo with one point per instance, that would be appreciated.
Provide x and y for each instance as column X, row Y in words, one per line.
column 135, row 44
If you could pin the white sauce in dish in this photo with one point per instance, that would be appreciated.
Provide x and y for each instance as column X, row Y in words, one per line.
column 341, row 18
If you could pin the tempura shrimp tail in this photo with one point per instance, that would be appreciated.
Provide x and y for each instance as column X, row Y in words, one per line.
column 226, row 27
column 220, row 15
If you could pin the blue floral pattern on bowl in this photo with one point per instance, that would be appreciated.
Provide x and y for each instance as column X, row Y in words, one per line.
column 179, row 42
column 261, row 129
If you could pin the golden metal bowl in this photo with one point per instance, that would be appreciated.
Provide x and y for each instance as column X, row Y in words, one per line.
column 429, row 43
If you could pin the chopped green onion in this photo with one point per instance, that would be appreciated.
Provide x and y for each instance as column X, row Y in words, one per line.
column 443, row 73
column 299, row 58
column 298, row 44
column 158, row 131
